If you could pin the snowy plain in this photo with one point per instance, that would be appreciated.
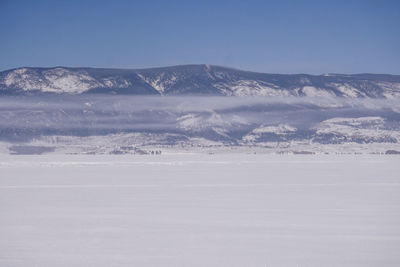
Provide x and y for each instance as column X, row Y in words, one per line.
column 200, row 210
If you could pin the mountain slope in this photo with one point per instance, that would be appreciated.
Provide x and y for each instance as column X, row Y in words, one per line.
column 195, row 80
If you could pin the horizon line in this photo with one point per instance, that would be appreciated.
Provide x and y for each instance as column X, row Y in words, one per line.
column 194, row 64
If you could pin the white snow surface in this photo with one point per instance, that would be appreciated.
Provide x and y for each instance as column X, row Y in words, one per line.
column 250, row 88
column 160, row 82
column 281, row 129
column 60, row 80
column 316, row 92
column 347, row 90
column 391, row 90
column 199, row 210
column 370, row 127
column 194, row 122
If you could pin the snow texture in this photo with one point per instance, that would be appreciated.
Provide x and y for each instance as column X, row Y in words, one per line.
column 195, row 80
column 199, row 210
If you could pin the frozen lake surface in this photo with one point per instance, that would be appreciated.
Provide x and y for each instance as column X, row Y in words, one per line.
column 199, row 210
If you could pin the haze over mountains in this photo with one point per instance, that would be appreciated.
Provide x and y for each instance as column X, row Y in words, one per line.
column 195, row 80
column 131, row 124
column 102, row 111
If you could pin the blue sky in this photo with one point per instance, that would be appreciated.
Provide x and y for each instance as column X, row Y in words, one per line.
column 353, row 36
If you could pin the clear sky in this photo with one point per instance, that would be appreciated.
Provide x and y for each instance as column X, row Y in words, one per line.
column 282, row 36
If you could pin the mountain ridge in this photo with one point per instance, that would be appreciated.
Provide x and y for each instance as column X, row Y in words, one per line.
column 200, row 64
column 194, row 79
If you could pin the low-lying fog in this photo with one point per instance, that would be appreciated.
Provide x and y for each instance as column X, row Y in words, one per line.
column 24, row 118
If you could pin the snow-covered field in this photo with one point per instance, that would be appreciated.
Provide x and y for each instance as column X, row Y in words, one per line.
column 199, row 210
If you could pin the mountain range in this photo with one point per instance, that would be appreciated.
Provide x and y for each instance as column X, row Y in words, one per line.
column 194, row 80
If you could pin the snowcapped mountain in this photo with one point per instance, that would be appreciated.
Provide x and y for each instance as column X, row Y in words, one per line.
column 195, row 80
